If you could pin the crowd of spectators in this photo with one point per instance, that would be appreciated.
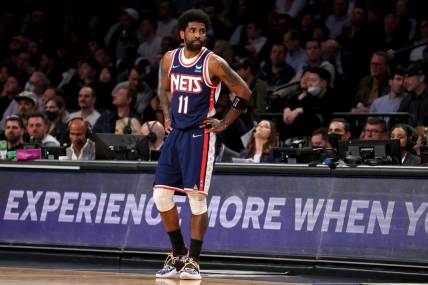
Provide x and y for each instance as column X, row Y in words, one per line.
column 305, row 60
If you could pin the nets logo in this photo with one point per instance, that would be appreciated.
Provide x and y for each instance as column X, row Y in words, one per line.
column 186, row 83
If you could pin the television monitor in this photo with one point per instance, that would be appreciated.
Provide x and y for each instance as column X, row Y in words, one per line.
column 53, row 152
column 371, row 152
column 121, row 147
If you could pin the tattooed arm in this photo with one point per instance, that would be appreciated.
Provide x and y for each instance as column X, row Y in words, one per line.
column 219, row 70
column 164, row 89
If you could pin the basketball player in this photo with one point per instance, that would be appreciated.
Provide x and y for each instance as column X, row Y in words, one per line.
column 191, row 75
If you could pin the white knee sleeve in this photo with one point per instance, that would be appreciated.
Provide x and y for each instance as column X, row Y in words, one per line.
column 198, row 203
column 163, row 199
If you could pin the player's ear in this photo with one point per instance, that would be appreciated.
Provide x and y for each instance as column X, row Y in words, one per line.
column 182, row 35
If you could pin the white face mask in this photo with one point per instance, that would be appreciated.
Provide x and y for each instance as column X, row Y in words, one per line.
column 314, row 90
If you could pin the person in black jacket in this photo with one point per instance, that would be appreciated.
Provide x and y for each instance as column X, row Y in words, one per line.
column 417, row 103
column 408, row 138
column 310, row 108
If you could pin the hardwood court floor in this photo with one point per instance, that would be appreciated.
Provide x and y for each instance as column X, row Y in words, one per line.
column 30, row 276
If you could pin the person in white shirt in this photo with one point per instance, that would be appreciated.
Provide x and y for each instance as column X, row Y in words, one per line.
column 87, row 101
column 82, row 148
column 38, row 127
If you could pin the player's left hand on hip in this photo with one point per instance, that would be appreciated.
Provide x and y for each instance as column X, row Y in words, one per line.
column 213, row 125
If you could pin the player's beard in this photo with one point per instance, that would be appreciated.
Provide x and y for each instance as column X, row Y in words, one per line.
column 194, row 45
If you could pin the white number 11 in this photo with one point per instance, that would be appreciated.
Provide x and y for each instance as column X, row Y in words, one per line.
column 182, row 105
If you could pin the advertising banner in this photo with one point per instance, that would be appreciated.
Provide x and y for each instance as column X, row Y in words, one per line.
column 360, row 218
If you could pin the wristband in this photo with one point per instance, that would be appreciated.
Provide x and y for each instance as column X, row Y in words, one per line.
column 239, row 103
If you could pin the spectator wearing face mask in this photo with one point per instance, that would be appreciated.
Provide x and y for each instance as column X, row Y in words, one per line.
column 57, row 116
column 308, row 109
column 338, row 130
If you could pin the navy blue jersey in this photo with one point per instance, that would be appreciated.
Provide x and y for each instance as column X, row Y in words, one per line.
column 193, row 94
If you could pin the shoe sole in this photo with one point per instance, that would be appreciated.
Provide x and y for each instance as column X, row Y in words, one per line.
column 185, row 276
column 170, row 275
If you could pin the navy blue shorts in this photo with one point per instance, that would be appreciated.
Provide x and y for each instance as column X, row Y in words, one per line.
column 186, row 161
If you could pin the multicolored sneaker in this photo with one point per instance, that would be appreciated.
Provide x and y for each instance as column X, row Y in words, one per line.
column 173, row 264
column 190, row 270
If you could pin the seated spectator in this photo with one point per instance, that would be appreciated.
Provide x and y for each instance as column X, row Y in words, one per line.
column 296, row 55
column 259, row 148
column 151, row 44
column 339, row 19
column 375, row 129
column 26, row 102
column 51, row 92
column 247, row 70
column 331, row 52
column 407, row 23
column 119, row 34
column 58, row 117
column 37, row 84
column 306, row 111
column 128, row 126
column 82, row 148
column 14, row 132
column 122, row 100
column 167, row 22
column 257, row 42
column 391, row 101
column 86, row 75
column 136, row 85
column 417, row 53
column 289, row 7
column 50, row 68
column 87, row 101
column 374, row 85
column 220, row 26
column 106, row 83
column 319, row 138
column 416, row 104
column 313, row 52
column 37, row 129
column 392, row 38
column 224, row 49
column 276, row 71
column 153, row 111
column 155, row 133
column 11, row 88
column 338, row 130
column 408, row 138
column 355, row 49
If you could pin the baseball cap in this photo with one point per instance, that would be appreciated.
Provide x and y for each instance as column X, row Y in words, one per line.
column 26, row 95
column 415, row 69
column 132, row 13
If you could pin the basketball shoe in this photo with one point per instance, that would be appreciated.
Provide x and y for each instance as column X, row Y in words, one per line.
column 190, row 270
column 173, row 264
